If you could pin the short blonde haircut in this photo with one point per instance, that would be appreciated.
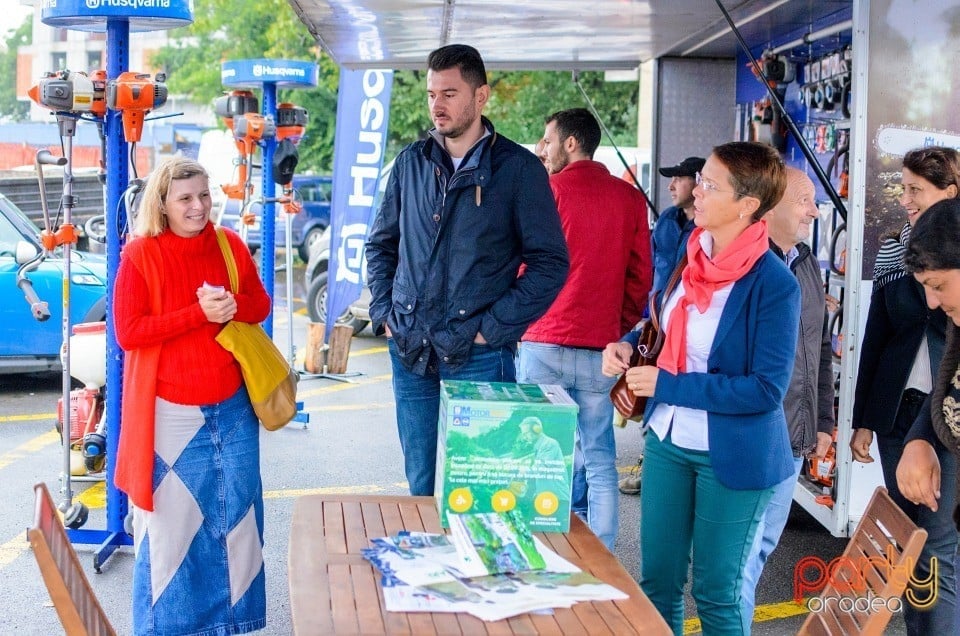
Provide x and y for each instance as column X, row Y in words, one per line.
column 151, row 221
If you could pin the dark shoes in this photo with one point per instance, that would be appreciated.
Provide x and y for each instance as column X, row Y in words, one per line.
column 630, row 484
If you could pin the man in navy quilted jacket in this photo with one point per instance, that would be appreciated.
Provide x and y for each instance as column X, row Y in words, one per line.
column 463, row 209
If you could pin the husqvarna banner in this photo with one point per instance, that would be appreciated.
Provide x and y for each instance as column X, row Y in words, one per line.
column 363, row 110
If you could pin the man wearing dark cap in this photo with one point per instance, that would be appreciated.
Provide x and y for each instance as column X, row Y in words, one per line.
column 676, row 222
column 669, row 238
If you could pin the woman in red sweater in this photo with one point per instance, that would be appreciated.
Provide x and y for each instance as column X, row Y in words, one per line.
column 189, row 455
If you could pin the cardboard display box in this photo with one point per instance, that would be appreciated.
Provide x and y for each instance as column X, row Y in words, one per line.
column 506, row 446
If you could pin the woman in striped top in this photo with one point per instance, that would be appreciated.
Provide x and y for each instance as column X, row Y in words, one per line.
column 902, row 346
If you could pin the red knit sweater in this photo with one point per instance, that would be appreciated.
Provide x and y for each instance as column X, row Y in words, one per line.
column 193, row 367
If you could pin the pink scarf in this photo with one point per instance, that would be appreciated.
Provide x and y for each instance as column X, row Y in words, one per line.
column 701, row 278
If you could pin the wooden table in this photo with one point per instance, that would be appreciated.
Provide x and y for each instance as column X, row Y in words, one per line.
column 333, row 590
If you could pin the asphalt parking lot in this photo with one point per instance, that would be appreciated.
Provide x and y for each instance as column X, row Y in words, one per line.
column 349, row 445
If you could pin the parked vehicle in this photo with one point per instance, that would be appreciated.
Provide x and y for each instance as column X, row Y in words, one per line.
column 314, row 192
column 315, row 280
column 27, row 344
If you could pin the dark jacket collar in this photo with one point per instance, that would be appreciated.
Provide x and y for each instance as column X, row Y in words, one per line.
column 434, row 151
column 803, row 251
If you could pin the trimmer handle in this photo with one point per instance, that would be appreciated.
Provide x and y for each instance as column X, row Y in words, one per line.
column 39, row 308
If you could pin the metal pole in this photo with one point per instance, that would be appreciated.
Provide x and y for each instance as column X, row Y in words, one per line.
column 606, row 131
column 68, row 128
column 268, row 222
column 118, row 51
column 288, row 218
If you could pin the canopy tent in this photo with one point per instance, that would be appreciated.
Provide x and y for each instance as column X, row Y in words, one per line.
column 547, row 34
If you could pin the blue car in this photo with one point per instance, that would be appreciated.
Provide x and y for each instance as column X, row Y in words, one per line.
column 27, row 344
column 308, row 225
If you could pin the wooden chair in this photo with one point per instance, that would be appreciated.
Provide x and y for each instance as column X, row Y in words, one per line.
column 884, row 531
column 70, row 591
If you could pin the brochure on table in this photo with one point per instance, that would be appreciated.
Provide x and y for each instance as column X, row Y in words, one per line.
column 422, row 572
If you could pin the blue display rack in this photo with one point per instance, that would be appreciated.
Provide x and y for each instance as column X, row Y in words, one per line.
column 117, row 20
column 268, row 75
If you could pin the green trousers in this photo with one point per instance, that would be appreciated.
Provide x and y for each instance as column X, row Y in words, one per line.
column 684, row 509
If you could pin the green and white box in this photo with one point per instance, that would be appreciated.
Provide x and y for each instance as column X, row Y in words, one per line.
column 506, row 447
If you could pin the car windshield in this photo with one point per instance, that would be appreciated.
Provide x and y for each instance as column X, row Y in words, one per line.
column 14, row 226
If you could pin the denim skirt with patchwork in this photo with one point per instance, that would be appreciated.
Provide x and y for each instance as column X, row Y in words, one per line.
column 199, row 554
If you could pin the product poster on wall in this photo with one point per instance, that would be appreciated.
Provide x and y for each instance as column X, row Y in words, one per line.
column 913, row 48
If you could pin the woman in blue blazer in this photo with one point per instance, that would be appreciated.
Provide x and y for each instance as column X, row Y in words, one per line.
column 716, row 435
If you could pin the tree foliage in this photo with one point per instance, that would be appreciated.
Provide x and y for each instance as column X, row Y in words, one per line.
column 243, row 29
column 10, row 106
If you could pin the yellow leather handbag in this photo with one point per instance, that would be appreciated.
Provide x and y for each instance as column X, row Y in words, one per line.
column 270, row 382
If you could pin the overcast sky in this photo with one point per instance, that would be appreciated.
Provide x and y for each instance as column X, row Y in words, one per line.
column 13, row 14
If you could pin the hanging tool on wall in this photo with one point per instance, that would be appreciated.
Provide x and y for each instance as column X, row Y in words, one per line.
column 791, row 125
column 291, row 123
column 71, row 92
column 72, row 96
column 233, row 105
column 238, row 110
column 135, row 95
column 768, row 126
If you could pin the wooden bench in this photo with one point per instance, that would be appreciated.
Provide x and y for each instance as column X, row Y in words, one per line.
column 333, row 590
column 76, row 604
column 885, row 535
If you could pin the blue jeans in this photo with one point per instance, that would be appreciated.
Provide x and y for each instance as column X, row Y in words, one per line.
column 768, row 536
column 578, row 497
column 941, row 530
column 578, row 371
column 684, row 508
column 418, row 405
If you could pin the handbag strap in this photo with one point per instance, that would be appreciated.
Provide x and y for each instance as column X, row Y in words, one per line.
column 228, row 258
column 671, row 285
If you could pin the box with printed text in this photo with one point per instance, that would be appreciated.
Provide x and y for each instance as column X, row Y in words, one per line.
column 506, row 447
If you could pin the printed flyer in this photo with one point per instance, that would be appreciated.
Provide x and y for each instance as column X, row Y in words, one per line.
column 493, row 543
column 432, row 561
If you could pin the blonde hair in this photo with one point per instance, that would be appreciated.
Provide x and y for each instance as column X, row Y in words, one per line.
column 151, row 220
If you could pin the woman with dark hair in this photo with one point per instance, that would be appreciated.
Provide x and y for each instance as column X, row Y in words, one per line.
column 902, row 345
column 717, row 439
column 933, row 257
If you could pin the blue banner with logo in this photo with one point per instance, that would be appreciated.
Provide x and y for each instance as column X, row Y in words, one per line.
column 363, row 110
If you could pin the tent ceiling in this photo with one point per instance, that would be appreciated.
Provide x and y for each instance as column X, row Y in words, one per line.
column 547, row 34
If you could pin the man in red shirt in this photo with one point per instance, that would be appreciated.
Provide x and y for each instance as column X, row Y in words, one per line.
column 604, row 220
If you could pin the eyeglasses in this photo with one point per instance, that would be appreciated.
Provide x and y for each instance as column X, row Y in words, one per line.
column 710, row 186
